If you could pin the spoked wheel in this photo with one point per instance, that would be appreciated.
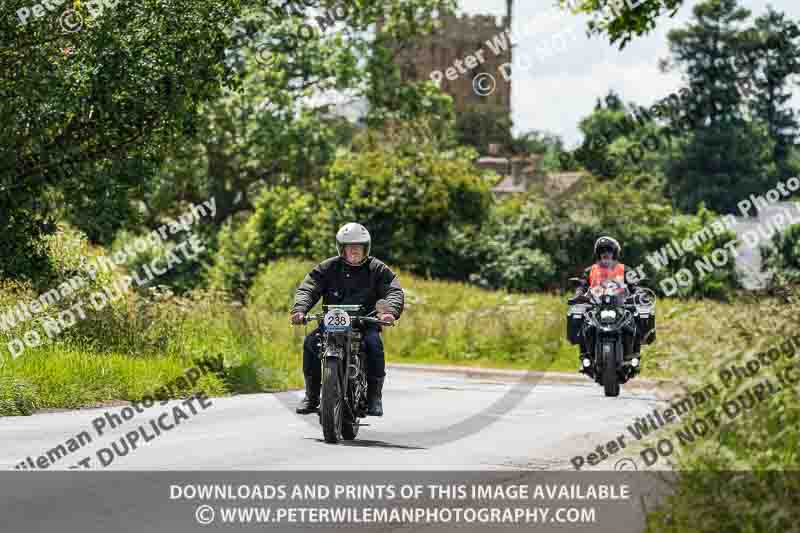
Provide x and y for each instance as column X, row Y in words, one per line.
column 350, row 422
column 331, row 406
column 350, row 429
column 610, row 378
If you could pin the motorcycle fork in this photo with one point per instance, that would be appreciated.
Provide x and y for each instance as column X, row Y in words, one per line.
column 324, row 356
column 600, row 355
column 346, row 365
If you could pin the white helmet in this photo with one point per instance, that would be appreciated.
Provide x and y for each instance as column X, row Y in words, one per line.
column 353, row 233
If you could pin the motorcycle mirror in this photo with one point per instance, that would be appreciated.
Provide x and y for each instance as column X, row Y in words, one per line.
column 382, row 306
column 577, row 281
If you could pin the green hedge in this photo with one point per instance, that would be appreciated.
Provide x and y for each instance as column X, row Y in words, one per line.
column 529, row 245
column 783, row 257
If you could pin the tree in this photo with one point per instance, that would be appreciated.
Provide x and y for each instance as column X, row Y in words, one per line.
column 412, row 190
column 276, row 128
column 97, row 106
column 608, row 122
column 479, row 127
column 622, row 20
column 774, row 57
column 707, row 51
column 781, row 257
column 539, row 142
column 101, row 109
column 726, row 157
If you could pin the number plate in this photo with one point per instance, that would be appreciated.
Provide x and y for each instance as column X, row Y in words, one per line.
column 337, row 320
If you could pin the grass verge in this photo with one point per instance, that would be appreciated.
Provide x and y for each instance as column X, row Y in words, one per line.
column 145, row 340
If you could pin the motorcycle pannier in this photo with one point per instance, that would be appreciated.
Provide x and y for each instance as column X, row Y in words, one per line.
column 575, row 322
column 646, row 324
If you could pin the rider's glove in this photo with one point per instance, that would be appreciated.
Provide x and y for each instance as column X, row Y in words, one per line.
column 297, row 318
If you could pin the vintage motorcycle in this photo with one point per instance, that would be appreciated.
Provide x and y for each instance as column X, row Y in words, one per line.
column 343, row 399
column 610, row 317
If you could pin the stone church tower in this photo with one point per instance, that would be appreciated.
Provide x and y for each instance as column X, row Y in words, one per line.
column 457, row 38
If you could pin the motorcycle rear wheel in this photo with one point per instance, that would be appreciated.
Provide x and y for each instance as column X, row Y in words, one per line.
column 332, row 403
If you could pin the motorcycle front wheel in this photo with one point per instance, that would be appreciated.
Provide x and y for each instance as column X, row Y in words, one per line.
column 330, row 408
column 610, row 377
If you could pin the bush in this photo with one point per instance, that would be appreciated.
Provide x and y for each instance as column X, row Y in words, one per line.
column 275, row 285
column 742, row 476
column 530, row 246
column 280, row 226
column 513, row 251
column 17, row 397
column 782, row 258
column 24, row 223
column 182, row 277
column 411, row 194
column 69, row 285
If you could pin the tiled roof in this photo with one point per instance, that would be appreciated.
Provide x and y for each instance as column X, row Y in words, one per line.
column 489, row 160
column 507, row 185
column 555, row 183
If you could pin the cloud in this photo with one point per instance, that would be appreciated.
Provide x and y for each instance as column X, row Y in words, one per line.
column 553, row 92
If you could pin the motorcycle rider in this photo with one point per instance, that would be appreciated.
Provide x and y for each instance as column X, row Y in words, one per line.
column 351, row 278
column 606, row 267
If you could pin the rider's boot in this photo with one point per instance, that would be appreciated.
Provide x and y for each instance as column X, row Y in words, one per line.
column 374, row 396
column 310, row 402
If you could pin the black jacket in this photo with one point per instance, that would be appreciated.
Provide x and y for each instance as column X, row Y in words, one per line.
column 339, row 283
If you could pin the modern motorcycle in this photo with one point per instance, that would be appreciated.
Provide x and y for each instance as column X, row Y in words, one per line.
column 609, row 317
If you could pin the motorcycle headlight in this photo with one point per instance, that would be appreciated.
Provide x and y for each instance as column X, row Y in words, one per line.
column 608, row 315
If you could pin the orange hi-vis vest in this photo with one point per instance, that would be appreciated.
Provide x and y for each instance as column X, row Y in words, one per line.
column 600, row 274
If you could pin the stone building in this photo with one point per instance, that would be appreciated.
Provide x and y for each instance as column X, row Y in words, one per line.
column 456, row 39
column 521, row 174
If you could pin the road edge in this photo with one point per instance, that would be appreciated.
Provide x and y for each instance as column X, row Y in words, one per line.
column 541, row 376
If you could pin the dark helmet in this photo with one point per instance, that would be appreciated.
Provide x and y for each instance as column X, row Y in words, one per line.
column 607, row 244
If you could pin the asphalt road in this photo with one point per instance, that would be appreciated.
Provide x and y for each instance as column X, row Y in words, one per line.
column 433, row 421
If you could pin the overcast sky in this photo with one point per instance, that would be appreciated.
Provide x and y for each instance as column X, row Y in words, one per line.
column 555, row 93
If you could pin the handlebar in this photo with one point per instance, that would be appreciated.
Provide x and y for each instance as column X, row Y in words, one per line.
column 374, row 321
column 312, row 318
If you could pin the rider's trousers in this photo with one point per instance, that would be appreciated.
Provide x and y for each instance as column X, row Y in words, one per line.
column 376, row 364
